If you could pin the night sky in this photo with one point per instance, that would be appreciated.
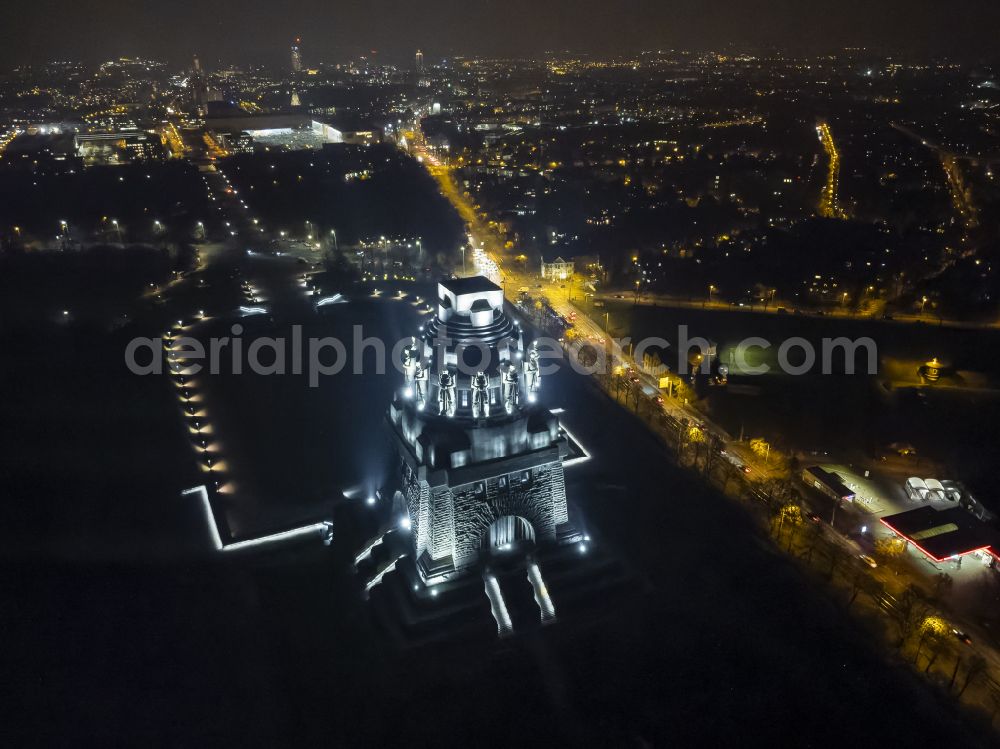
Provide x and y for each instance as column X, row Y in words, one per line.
column 235, row 31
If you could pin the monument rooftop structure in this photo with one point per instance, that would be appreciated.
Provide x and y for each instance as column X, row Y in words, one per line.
column 480, row 461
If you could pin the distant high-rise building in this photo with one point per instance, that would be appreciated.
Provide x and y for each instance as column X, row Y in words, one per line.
column 420, row 61
column 199, row 88
column 296, row 56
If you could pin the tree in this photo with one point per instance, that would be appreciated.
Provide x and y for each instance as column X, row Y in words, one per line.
column 696, row 437
column 682, row 433
column 889, row 552
column 942, row 584
column 586, row 356
column 760, row 447
column 932, row 632
column 729, row 473
column 618, row 379
column 836, row 557
column 976, row 668
column 684, row 391
column 858, row 580
column 813, row 537
column 715, row 447
column 791, row 516
column 994, row 697
column 908, row 613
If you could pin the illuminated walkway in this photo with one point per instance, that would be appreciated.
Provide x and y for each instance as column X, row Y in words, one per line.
column 497, row 605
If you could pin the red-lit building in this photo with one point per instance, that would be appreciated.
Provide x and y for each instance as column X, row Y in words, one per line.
column 945, row 534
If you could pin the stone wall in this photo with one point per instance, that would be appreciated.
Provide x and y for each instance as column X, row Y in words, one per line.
column 542, row 502
column 417, row 493
column 441, row 539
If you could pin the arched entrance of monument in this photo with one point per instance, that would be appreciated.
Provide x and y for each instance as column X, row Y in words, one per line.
column 508, row 537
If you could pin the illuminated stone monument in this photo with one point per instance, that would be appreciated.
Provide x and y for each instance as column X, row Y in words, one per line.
column 481, row 462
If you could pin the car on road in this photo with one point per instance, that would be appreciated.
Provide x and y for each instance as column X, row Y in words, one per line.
column 739, row 465
column 961, row 636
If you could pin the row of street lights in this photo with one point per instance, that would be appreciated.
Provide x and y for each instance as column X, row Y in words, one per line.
column 283, row 234
column 188, row 398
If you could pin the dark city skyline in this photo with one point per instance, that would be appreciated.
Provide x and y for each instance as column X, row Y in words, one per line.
column 257, row 31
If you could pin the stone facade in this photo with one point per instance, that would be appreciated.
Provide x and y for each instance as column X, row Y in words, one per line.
column 449, row 523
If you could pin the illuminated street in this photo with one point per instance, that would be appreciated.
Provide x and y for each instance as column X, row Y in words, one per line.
column 829, row 207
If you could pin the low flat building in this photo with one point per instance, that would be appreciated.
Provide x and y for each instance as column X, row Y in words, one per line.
column 238, row 142
column 42, row 153
column 945, row 534
column 347, row 130
column 232, row 121
column 828, row 483
column 119, row 147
